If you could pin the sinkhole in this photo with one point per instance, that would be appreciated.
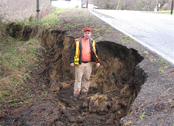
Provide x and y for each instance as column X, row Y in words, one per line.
column 114, row 86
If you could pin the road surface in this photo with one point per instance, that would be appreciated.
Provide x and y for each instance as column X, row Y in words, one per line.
column 152, row 30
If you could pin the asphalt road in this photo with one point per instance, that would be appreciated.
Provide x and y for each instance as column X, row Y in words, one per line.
column 152, row 30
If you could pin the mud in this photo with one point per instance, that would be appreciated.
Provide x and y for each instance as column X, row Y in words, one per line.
column 114, row 86
column 23, row 32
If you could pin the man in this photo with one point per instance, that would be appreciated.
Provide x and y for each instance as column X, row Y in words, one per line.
column 83, row 52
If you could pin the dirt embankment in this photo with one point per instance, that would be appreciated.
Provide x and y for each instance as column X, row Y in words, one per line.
column 114, row 86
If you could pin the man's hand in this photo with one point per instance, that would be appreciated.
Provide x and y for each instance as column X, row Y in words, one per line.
column 72, row 64
column 97, row 65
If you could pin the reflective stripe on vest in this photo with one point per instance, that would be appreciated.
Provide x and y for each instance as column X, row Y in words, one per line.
column 95, row 54
column 77, row 52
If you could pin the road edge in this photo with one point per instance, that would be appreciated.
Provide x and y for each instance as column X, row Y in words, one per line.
column 149, row 48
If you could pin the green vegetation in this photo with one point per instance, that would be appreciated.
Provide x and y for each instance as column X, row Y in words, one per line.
column 160, row 71
column 127, row 38
column 66, row 26
column 146, row 52
column 142, row 4
column 152, row 60
column 165, row 11
column 142, row 115
column 128, row 123
column 18, row 59
column 162, row 63
column 51, row 19
column 160, row 60
column 100, row 38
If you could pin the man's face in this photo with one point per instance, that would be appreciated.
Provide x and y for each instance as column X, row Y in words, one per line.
column 87, row 34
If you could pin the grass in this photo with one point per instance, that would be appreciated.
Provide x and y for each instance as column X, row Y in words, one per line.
column 100, row 38
column 165, row 11
column 160, row 71
column 146, row 52
column 162, row 63
column 18, row 59
column 142, row 115
column 127, row 38
column 50, row 19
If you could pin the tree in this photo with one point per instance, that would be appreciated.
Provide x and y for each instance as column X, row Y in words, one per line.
column 129, row 4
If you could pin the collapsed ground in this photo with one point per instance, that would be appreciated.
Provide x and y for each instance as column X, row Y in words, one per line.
column 113, row 87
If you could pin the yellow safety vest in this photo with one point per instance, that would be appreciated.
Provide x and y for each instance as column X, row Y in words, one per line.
column 77, row 52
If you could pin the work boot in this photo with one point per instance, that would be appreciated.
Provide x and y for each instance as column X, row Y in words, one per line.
column 83, row 95
column 75, row 98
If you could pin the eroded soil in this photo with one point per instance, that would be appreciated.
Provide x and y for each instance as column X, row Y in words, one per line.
column 114, row 86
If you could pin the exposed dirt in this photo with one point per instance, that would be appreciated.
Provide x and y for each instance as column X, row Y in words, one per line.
column 114, row 86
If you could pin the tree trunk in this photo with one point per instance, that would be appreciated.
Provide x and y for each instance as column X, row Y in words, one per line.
column 118, row 4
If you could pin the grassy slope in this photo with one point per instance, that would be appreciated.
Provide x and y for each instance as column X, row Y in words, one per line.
column 17, row 60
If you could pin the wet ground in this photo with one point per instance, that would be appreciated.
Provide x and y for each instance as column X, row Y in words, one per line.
column 114, row 86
